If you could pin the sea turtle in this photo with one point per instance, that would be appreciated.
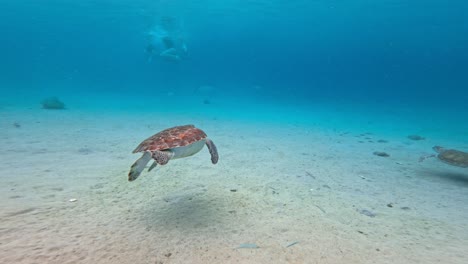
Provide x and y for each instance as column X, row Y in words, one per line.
column 172, row 143
column 452, row 156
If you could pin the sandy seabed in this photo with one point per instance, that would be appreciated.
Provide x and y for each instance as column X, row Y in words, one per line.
column 300, row 194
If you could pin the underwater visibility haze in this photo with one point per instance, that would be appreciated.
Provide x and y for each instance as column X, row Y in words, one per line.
column 325, row 131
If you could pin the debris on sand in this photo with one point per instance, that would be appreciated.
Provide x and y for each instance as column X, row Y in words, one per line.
column 52, row 103
column 367, row 213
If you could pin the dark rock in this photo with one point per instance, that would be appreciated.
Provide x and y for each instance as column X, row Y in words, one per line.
column 381, row 154
column 416, row 137
column 85, row 151
column 52, row 103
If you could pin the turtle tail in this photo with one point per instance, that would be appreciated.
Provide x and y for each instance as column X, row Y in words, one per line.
column 139, row 166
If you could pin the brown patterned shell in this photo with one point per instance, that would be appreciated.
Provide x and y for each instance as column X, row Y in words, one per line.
column 454, row 157
column 173, row 137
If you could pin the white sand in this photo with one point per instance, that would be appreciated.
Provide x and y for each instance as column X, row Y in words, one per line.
column 294, row 183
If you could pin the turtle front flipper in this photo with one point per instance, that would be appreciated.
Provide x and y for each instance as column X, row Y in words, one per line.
column 155, row 163
column 139, row 166
column 213, row 151
column 162, row 157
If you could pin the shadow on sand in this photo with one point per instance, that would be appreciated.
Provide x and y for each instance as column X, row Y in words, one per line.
column 189, row 212
column 459, row 178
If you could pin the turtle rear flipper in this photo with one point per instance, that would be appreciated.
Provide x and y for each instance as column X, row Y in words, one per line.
column 139, row 166
column 213, row 151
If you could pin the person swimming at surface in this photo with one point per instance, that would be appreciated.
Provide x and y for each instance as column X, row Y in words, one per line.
column 166, row 41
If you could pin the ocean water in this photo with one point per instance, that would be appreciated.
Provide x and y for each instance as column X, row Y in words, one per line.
column 298, row 96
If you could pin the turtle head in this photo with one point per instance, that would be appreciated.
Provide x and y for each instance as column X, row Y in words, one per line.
column 438, row 149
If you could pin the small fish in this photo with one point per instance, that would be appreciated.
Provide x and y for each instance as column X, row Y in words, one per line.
column 292, row 244
column 248, row 245
column 310, row 174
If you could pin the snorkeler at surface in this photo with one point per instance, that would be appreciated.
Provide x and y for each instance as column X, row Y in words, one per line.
column 166, row 41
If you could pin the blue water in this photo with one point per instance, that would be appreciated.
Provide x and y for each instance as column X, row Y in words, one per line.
column 390, row 68
column 385, row 51
column 405, row 57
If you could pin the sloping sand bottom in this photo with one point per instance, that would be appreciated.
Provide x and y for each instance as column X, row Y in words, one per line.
column 281, row 193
